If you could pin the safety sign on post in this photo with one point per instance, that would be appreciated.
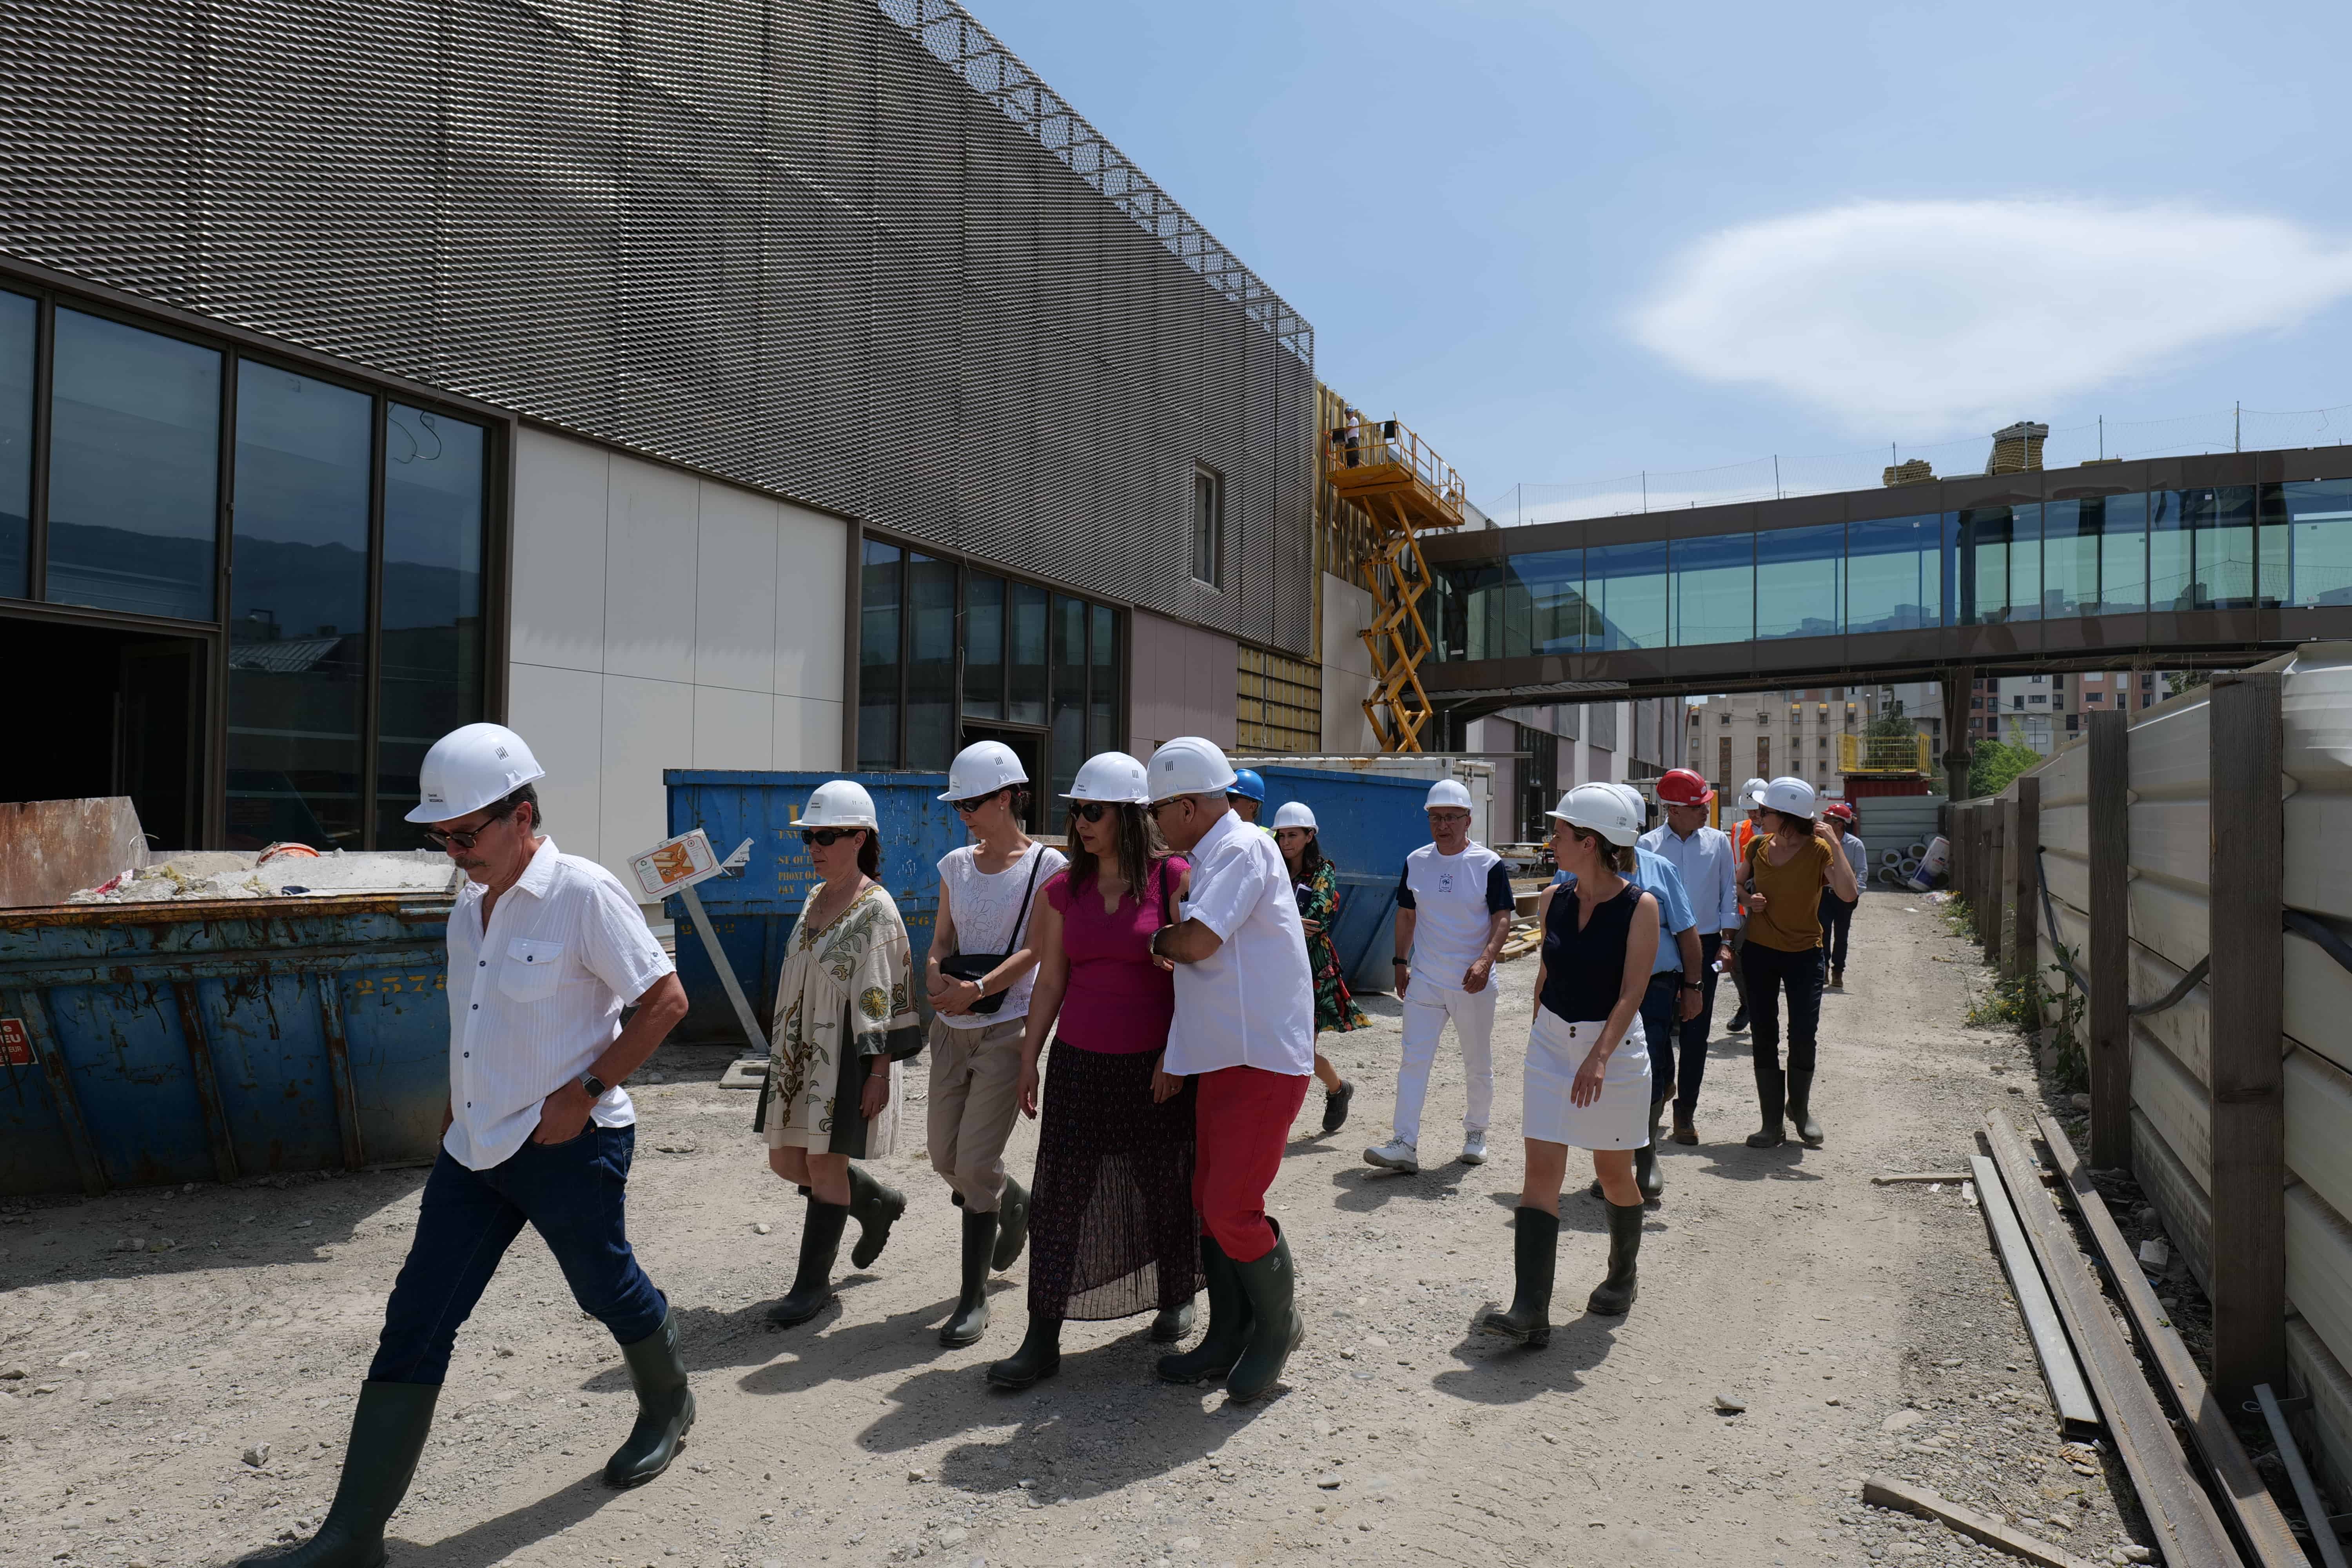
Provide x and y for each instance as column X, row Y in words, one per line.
column 671, row 868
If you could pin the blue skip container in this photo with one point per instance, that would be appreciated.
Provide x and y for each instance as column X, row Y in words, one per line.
column 148, row 1044
column 752, row 913
column 1367, row 822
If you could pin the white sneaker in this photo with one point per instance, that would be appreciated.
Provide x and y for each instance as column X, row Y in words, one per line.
column 1474, row 1147
column 1396, row 1154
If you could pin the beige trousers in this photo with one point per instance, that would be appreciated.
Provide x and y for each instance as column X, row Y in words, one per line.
column 975, row 1084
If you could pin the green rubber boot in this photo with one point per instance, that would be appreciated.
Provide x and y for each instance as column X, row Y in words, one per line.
column 1170, row 1324
column 820, row 1245
column 1800, row 1109
column 1771, row 1095
column 1276, row 1327
column 876, row 1208
column 1229, row 1322
column 387, row 1435
column 1040, row 1355
column 1535, row 1258
column 1012, row 1224
column 971, row 1319
column 1614, row 1294
column 1647, row 1174
column 665, row 1409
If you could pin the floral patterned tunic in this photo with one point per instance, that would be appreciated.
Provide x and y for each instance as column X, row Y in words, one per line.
column 1335, row 1008
column 845, row 997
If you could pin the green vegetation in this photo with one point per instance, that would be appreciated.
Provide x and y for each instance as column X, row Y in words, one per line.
column 1995, row 762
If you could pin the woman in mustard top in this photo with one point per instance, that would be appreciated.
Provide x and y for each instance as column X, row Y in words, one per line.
column 1791, row 858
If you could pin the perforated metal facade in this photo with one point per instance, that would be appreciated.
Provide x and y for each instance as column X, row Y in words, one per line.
column 852, row 253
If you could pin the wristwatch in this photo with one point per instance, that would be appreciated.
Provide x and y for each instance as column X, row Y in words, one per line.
column 596, row 1087
column 1401, row 962
column 1694, row 984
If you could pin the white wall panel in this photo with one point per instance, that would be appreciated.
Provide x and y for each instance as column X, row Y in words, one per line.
column 2067, row 827
column 2173, row 924
column 562, row 713
column 2315, row 1374
column 733, row 729
column 807, row 735
column 649, row 571
column 2174, row 839
column 2315, row 703
column 2318, row 1099
column 1346, row 667
column 2173, row 1102
column 811, row 557
column 2319, row 1269
column 557, row 606
column 648, row 726
column 735, row 589
column 2184, row 1028
column 2171, row 750
column 2318, row 1002
column 2319, row 853
column 2187, row 1217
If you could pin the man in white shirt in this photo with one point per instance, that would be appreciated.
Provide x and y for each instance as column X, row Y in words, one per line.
column 545, row 951
column 1453, row 910
column 1704, row 859
column 1244, row 1027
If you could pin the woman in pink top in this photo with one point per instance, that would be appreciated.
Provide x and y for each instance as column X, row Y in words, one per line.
column 1111, row 1231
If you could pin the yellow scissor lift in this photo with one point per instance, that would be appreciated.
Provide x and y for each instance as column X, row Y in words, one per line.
column 1405, row 488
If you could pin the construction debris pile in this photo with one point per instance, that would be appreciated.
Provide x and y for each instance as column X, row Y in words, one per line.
column 279, row 872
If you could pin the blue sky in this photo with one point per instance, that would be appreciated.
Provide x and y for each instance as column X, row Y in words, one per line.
column 1574, row 242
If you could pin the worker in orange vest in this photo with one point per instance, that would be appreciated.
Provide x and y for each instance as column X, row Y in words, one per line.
column 1743, row 834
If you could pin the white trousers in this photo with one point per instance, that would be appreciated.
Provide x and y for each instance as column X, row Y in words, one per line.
column 1426, row 1008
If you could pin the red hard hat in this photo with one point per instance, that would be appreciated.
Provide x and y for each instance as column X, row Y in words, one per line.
column 1680, row 786
column 1839, row 809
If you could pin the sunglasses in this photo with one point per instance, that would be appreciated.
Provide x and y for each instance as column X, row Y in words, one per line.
column 827, row 836
column 467, row 838
column 1157, row 806
column 966, row 807
column 1090, row 810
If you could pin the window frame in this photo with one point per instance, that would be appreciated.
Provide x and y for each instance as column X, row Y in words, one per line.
column 50, row 292
column 1218, row 544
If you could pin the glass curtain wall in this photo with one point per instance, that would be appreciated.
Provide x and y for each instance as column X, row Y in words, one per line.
column 20, row 320
column 298, row 609
column 350, row 567
column 2223, row 548
column 1027, row 658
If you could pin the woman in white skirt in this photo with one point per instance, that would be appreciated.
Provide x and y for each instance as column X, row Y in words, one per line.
column 1588, row 1066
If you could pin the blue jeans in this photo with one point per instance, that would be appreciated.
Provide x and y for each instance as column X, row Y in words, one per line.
column 1659, row 1006
column 571, row 1193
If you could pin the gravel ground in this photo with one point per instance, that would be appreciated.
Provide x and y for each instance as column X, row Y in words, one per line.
column 178, row 1403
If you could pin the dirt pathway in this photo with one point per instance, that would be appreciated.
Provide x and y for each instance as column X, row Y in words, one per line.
column 1864, row 1328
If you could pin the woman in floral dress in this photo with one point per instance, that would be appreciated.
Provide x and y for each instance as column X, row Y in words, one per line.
column 1316, row 883
column 844, row 1019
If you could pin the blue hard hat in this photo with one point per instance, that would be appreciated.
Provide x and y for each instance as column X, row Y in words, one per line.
column 1247, row 784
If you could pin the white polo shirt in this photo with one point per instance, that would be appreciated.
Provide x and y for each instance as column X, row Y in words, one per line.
column 1251, row 1003
column 535, row 999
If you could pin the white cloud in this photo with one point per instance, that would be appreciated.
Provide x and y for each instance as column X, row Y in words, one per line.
column 1935, row 317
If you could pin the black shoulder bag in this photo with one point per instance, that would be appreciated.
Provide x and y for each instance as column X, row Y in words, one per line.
column 975, row 966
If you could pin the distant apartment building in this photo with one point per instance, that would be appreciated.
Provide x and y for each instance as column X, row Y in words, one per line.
column 1775, row 734
column 2046, row 711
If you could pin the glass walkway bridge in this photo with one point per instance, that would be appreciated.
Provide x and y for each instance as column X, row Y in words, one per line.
column 2199, row 561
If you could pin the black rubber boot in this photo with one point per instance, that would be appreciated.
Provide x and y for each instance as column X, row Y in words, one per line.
column 1229, row 1322
column 820, row 1244
column 1738, row 1024
column 665, row 1409
column 1614, row 1294
column 1335, row 1107
column 970, row 1320
column 1535, row 1258
column 1170, row 1324
column 1012, row 1224
column 1040, row 1355
column 1800, row 1109
column 387, row 1435
column 1647, row 1174
column 1771, row 1091
column 876, row 1208
column 1276, row 1327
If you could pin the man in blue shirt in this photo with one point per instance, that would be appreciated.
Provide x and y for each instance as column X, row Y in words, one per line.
column 1677, row 983
column 1709, row 866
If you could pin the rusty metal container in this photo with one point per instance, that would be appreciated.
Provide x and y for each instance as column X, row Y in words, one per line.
column 155, row 1043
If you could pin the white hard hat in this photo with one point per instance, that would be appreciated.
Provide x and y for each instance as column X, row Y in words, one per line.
column 1751, row 795
column 1189, row 765
column 1294, row 814
column 1790, row 797
column 983, row 768
column 470, row 768
column 1447, row 793
column 1602, row 808
column 839, row 803
column 1112, row 776
column 1634, row 799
